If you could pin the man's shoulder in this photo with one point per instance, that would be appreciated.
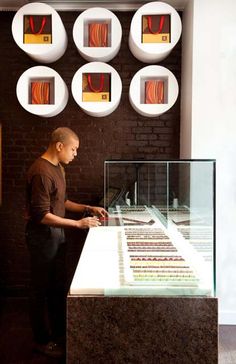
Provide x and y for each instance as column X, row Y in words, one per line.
column 37, row 165
column 40, row 167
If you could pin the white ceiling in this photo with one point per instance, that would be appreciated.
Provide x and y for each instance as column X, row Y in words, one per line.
column 70, row 5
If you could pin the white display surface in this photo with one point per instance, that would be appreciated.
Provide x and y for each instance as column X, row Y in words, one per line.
column 137, row 90
column 97, row 109
column 80, row 35
column 153, row 52
column 92, row 276
column 60, row 91
column 104, row 267
column 44, row 53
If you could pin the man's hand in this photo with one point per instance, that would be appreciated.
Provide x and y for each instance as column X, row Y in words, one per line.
column 88, row 222
column 98, row 211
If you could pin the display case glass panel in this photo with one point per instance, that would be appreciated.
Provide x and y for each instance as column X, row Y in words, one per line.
column 180, row 196
column 159, row 237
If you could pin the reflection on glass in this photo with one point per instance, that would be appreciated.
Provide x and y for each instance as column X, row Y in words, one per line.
column 165, row 210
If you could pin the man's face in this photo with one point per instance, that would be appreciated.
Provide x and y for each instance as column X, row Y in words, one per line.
column 68, row 150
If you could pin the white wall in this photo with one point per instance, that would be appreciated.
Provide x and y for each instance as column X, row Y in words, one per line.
column 209, row 87
column 186, row 81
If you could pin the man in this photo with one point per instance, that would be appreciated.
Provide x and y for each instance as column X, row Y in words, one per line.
column 46, row 206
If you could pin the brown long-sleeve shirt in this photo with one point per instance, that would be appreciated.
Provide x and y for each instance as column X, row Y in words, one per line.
column 46, row 190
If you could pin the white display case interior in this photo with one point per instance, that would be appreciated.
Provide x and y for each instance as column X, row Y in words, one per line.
column 97, row 34
column 96, row 88
column 154, row 31
column 39, row 31
column 41, row 91
column 153, row 91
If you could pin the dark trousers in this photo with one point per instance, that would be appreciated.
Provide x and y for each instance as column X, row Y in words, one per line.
column 48, row 278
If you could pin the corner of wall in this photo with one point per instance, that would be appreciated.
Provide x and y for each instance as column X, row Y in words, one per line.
column 186, row 82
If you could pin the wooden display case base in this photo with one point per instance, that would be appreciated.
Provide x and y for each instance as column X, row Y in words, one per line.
column 142, row 330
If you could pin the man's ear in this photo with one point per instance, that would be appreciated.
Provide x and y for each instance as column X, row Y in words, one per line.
column 59, row 146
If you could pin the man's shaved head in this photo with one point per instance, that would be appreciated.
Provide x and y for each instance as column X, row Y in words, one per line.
column 63, row 134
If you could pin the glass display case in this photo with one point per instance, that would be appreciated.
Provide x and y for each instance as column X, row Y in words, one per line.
column 159, row 237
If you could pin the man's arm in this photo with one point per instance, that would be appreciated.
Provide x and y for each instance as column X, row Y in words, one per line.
column 93, row 210
column 40, row 207
column 57, row 221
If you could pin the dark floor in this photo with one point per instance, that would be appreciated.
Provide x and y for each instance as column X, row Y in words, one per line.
column 16, row 337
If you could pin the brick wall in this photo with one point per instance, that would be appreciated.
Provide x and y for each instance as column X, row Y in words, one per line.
column 122, row 135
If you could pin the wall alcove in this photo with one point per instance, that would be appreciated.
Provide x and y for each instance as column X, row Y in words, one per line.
column 39, row 31
column 165, row 98
column 41, row 91
column 97, row 34
column 97, row 98
column 154, row 31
